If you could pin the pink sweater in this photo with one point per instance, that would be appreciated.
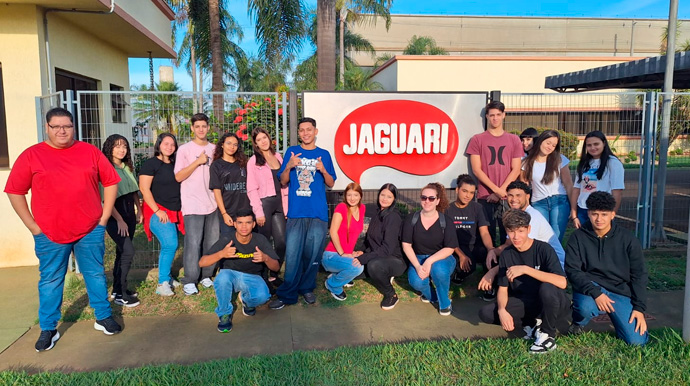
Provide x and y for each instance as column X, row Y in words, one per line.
column 260, row 184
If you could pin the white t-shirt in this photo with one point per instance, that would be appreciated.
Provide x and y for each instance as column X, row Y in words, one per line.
column 539, row 190
column 540, row 228
column 613, row 178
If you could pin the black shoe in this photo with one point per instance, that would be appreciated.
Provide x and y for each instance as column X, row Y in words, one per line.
column 310, row 298
column 341, row 296
column 248, row 311
column 114, row 294
column 126, row 301
column 445, row 311
column 489, row 296
column 575, row 329
column 225, row 323
column 350, row 284
column 47, row 340
column 543, row 344
column 423, row 299
column 108, row 325
column 276, row 304
column 389, row 302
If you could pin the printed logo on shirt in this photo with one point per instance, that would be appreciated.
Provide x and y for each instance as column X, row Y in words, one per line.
column 245, row 255
column 493, row 155
column 589, row 180
column 462, row 222
column 235, row 186
column 537, row 267
column 305, row 176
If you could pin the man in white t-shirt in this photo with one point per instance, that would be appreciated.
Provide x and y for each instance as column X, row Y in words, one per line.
column 518, row 198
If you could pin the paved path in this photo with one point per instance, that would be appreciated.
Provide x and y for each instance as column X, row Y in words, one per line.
column 193, row 338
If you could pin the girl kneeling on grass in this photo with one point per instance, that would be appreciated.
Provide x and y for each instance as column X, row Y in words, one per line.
column 126, row 214
column 340, row 257
column 428, row 241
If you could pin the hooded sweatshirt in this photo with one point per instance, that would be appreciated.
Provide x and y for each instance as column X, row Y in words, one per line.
column 614, row 261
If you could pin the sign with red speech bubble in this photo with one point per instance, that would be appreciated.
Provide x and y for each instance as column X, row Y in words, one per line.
column 407, row 139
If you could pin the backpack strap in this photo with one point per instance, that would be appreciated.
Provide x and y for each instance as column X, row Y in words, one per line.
column 441, row 219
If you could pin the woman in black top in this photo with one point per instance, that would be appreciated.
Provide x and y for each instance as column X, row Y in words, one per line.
column 228, row 179
column 162, row 205
column 428, row 241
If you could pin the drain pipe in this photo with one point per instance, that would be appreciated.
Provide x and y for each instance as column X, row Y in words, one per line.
column 46, row 39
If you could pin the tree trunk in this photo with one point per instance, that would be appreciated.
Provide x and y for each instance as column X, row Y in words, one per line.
column 343, row 15
column 195, row 88
column 216, row 59
column 325, row 44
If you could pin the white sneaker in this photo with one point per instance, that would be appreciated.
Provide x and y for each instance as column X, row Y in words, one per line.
column 543, row 344
column 530, row 332
column 208, row 283
column 176, row 283
column 190, row 289
column 164, row 289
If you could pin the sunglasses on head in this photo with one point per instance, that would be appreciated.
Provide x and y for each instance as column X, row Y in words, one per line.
column 428, row 198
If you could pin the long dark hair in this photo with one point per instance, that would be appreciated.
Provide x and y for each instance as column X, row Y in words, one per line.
column 583, row 166
column 110, row 144
column 443, row 203
column 553, row 160
column 239, row 155
column 157, row 146
column 260, row 159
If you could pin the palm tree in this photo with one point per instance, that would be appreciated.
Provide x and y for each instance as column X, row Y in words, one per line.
column 161, row 112
column 423, row 45
column 325, row 44
column 357, row 79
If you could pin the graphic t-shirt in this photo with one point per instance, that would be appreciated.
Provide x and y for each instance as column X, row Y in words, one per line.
column 245, row 253
column 164, row 187
column 231, row 180
column 496, row 154
column 307, row 189
column 196, row 196
column 613, row 178
column 348, row 239
column 65, row 199
column 467, row 221
column 539, row 256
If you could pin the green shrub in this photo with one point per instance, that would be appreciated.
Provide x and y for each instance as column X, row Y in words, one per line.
column 569, row 141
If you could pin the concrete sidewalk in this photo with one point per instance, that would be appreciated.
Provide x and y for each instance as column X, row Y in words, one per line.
column 193, row 338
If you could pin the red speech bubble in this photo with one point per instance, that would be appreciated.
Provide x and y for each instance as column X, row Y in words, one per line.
column 409, row 136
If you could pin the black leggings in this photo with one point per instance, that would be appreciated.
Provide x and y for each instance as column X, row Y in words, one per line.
column 477, row 254
column 381, row 269
column 274, row 227
column 124, row 250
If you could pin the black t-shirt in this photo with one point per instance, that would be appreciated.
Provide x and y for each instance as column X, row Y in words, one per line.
column 467, row 221
column 539, row 256
column 164, row 187
column 429, row 241
column 232, row 182
column 245, row 253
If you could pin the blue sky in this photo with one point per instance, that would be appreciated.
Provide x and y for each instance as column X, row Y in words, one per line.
column 583, row 8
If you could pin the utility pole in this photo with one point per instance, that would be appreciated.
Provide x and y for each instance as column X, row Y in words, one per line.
column 632, row 38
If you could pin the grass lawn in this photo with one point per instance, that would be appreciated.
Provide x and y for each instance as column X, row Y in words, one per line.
column 588, row 359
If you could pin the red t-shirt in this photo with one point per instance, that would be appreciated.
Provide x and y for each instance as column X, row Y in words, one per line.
column 348, row 240
column 65, row 199
column 496, row 155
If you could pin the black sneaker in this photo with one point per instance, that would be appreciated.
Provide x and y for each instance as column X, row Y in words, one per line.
column 108, row 325
column 225, row 323
column 445, row 311
column 543, row 344
column 424, row 299
column 489, row 296
column 350, row 284
column 47, row 340
column 114, row 294
column 389, row 302
column 341, row 296
column 575, row 329
column 248, row 311
column 310, row 298
column 276, row 304
column 126, row 301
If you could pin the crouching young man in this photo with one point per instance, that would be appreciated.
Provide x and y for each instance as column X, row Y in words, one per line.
column 604, row 262
column 242, row 256
column 531, row 285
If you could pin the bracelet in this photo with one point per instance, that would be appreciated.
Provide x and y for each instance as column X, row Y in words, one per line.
column 158, row 210
column 224, row 213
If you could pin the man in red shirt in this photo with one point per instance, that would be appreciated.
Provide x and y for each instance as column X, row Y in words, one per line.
column 66, row 216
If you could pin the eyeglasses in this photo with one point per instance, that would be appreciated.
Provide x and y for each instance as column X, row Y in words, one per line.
column 58, row 127
column 429, row 198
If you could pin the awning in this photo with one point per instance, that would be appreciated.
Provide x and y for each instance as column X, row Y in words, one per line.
column 645, row 73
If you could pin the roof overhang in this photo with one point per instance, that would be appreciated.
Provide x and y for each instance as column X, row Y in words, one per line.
column 647, row 73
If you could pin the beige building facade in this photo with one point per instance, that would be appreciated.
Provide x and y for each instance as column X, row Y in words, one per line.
column 46, row 47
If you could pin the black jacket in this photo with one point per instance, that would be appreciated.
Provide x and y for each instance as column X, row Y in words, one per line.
column 383, row 236
column 614, row 261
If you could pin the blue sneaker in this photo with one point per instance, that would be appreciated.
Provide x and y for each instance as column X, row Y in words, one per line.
column 225, row 323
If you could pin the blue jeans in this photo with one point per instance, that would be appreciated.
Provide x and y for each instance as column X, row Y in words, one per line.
column 305, row 239
column 585, row 308
column 200, row 231
column 253, row 288
column 167, row 237
column 52, row 264
column 556, row 210
column 582, row 215
column 342, row 268
column 440, row 275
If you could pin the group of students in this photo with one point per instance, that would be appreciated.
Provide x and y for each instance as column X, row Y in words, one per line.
column 242, row 219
